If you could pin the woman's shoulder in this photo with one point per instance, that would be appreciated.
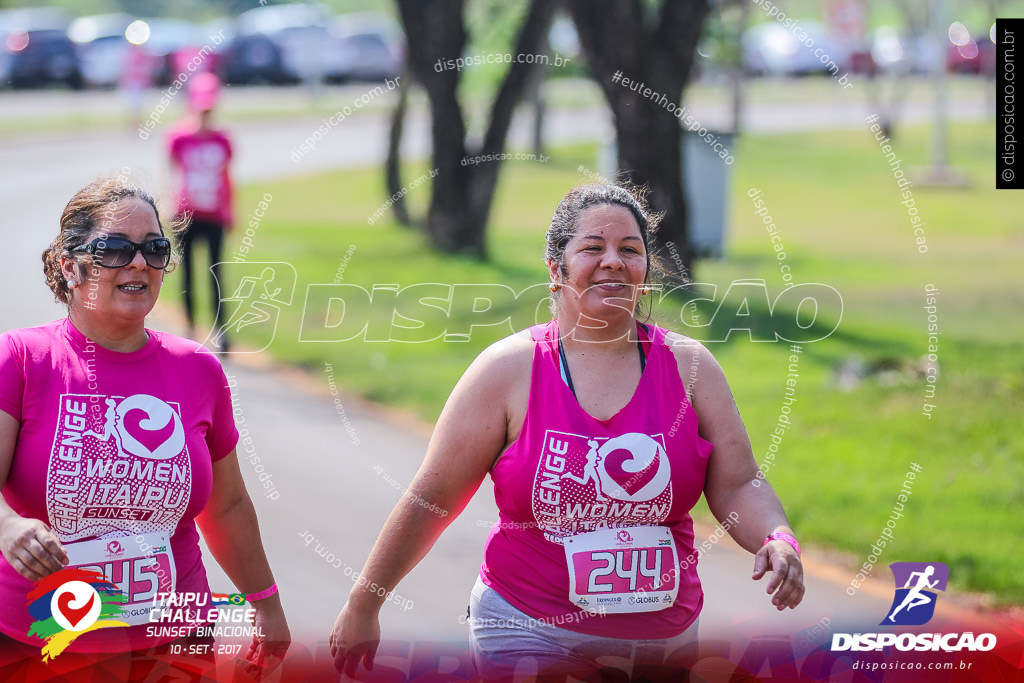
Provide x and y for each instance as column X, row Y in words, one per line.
column 502, row 366
column 511, row 354
column 695, row 361
column 680, row 344
column 498, row 379
column 30, row 338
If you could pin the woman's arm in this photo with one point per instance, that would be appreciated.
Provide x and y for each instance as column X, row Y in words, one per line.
column 28, row 544
column 732, row 484
column 470, row 433
column 232, row 532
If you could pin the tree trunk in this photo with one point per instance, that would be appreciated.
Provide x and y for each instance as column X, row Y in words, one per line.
column 463, row 192
column 889, row 108
column 535, row 98
column 392, row 166
column 736, row 74
column 655, row 54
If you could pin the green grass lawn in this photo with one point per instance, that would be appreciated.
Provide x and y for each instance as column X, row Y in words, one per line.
column 836, row 205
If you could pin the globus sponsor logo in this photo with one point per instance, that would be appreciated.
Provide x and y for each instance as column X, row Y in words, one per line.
column 644, row 599
column 918, row 642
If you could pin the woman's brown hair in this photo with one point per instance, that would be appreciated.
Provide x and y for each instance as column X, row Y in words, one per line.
column 83, row 214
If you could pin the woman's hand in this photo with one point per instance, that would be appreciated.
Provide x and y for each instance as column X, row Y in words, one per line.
column 271, row 638
column 356, row 636
column 30, row 547
column 787, row 580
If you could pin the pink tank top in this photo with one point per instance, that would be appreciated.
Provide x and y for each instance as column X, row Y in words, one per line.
column 558, row 480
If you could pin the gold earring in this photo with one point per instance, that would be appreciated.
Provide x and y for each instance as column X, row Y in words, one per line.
column 554, row 286
column 644, row 290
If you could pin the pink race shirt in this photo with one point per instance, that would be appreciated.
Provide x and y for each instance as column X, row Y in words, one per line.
column 204, row 185
column 568, row 474
column 112, row 446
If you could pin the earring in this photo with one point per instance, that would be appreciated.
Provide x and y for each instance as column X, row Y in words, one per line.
column 644, row 290
column 554, row 286
column 72, row 284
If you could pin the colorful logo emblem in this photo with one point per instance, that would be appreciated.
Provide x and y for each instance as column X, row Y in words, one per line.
column 914, row 603
column 68, row 603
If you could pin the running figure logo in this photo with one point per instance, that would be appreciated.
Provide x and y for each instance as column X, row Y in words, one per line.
column 590, row 470
column 914, row 603
column 263, row 289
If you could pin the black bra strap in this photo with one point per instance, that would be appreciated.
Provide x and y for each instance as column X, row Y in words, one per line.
column 563, row 364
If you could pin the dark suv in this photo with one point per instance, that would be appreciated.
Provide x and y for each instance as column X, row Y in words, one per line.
column 43, row 57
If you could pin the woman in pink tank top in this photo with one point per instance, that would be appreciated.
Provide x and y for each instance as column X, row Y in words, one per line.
column 600, row 434
column 117, row 447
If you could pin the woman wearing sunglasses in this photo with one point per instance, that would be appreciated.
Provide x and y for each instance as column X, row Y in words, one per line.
column 115, row 442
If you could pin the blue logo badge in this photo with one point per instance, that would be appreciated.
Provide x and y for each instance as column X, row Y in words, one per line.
column 917, row 586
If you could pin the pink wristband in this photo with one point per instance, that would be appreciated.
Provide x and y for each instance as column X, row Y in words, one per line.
column 262, row 594
column 783, row 536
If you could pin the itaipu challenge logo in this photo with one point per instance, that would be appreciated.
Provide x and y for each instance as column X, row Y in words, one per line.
column 914, row 603
column 68, row 603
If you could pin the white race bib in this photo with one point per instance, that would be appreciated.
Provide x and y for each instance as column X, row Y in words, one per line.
column 139, row 574
column 635, row 569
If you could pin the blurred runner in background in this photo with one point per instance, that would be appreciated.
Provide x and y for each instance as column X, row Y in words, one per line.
column 136, row 78
column 200, row 155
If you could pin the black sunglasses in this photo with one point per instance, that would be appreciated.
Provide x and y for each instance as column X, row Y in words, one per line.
column 117, row 252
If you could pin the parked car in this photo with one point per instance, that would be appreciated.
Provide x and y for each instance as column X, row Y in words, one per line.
column 40, row 58
column 105, row 43
column 976, row 56
column 5, row 60
column 918, row 54
column 300, row 32
column 35, row 50
column 166, row 38
column 102, row 47
column 372, row 47
column 253, row 59
column 772, row 49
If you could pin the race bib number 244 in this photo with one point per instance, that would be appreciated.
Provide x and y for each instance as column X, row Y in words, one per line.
column 622, row 570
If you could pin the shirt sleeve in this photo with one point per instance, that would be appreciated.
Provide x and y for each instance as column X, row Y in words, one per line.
column 174, row 148
column 223, row 435
column 12, row 377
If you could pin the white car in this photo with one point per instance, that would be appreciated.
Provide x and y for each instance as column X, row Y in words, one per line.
column 372, row 46
column 772, row 49
column 102, row 47
column 301, row 33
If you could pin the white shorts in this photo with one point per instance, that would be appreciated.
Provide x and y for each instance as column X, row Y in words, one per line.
column 507, row 642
